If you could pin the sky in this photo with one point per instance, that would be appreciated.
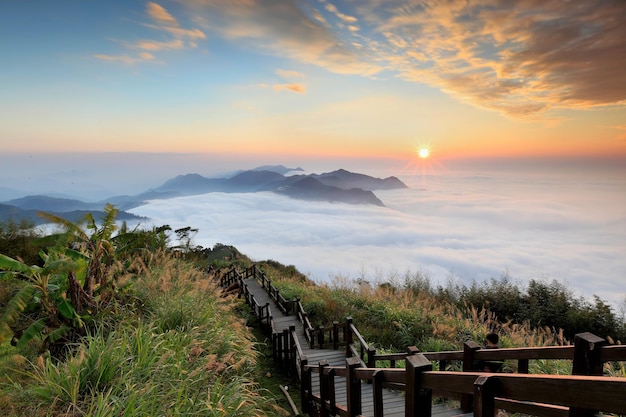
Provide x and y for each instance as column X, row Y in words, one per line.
column 318, row 78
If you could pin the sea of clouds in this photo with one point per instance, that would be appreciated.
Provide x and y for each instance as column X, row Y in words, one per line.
column 460, row 225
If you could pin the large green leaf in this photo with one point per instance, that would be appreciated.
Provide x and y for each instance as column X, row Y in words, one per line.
column 56, row 334
column 66, row 309
column 14, row 307
column 10, row 264
column 33, row 330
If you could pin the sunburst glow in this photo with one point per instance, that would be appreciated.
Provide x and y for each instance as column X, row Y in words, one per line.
column 423, row 152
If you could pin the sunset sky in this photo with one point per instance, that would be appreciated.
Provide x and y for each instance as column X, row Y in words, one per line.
column 319, row 77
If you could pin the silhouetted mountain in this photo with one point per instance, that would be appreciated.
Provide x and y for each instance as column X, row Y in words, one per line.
column 253, row 181
column 281, row 169
column 337, row 186
column 347, row 180
column 340, row 185
column 9, row 212
column 47, row 203
column 309, row 188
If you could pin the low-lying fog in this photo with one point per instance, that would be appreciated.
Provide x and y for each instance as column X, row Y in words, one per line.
column 455, row 224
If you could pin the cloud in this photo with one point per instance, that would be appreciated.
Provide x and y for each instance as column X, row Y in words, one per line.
column 162, row 21
column 333, row 9
column 150, row 45
column 466, row 226
column 281, row 28
column 622, row 132
column 127, row 59
column 521, row 58
column 159, row 14
column 296, row 88
column 289, row 74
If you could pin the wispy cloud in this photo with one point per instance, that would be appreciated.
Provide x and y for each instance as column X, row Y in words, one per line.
column 621, row 136
column 520, row 58
column 127, row 59
column 290, row 75
column 162, row 21
column 296, row 88
column 282, row 28
column 160, row 15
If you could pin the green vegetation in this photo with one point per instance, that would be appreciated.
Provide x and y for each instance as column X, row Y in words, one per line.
column 113, row 325
column 411, row 311
column 107, row 322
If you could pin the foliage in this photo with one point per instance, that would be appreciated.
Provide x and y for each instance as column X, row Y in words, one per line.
column 19, row 240
column 75, row 283
column 540, row 304
column 175, row 348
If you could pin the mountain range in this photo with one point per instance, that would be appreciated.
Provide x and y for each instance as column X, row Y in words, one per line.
column 336, row 186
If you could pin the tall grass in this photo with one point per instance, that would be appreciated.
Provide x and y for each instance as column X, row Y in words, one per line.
column 185, row 354
column 394, row 318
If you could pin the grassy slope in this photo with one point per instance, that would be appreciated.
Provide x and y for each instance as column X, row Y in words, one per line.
column 181, row 349
column 177, row 349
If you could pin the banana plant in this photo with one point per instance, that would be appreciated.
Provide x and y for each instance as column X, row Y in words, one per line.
column 59, row 296
column 39, row 308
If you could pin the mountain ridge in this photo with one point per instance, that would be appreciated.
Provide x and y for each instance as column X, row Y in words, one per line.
column 340, row 186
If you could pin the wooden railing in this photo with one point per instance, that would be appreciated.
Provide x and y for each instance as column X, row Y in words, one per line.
column 540, row 395
column 579, row 395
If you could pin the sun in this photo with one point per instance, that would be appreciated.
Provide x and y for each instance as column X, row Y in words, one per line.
column 423, row 152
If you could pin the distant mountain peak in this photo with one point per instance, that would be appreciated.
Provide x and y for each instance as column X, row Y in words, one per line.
column 336, row 186
column 281, row 169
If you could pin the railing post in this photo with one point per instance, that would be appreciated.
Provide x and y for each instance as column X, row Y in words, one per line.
column 285, row 364
column 336, row 335
column 332, row 395
column 371, row 357
column 353, row 387
column 587, row 361
column 484, row 404
column 587, row 354
column 324, row 412
column 275, row 347
column 279, row 347
column 469, row 348
column 320, row 336
column 348, row 336
column 293, row 357
column 377, row 389
column 266, row 316
column 305, row 386
column 522, row 366
column 418, row 400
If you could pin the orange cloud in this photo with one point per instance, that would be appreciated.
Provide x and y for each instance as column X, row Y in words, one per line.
column 150, row 45
column 296, row 88
column 282, row 28
column 289, row 74
column 163, row 21
column 126, row 59
column 161, row 15
column 333, row 9
column 520, row 58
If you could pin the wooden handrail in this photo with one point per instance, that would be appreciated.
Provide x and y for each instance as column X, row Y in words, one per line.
column 583, row 393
